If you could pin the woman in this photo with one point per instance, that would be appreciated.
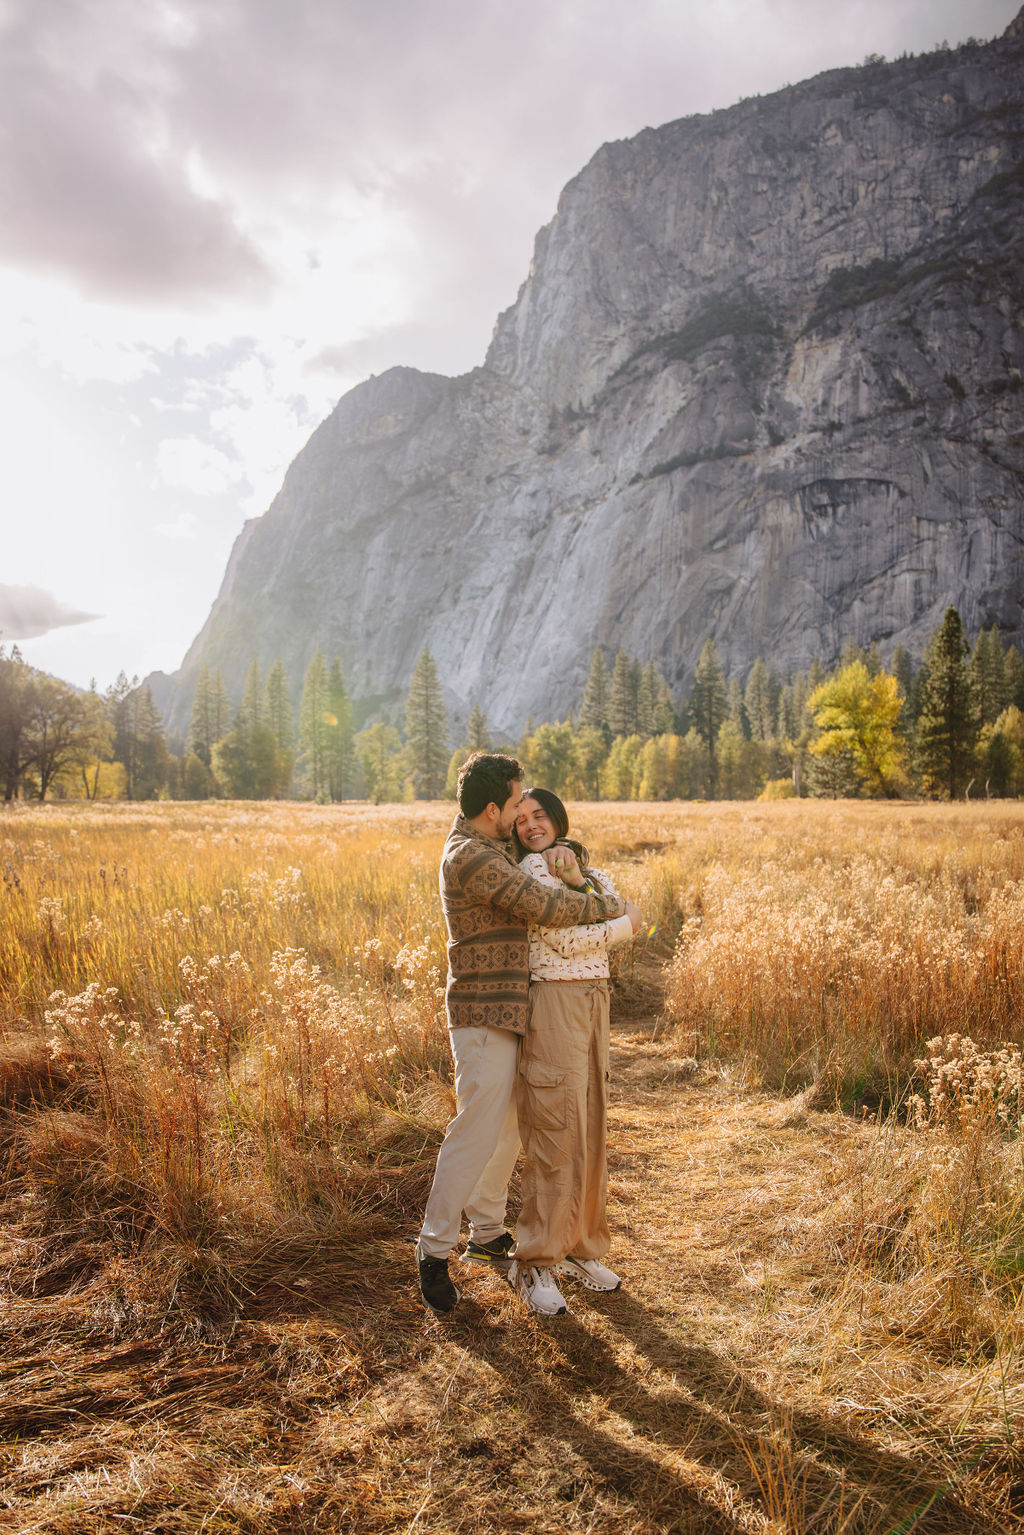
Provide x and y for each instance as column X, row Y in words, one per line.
column 562, row 1086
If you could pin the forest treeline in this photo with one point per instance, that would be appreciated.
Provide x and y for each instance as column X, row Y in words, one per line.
column 950, row 726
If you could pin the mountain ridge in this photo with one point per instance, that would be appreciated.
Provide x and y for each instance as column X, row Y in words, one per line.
column 762, row 383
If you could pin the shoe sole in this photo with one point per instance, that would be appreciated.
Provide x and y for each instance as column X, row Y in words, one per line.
column 536, row 1310
column 436, row 1310
column 589, row 1284
column 501, row 1264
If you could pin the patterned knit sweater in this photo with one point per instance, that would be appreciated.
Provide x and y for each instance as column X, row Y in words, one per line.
column 573, row 953
column 489, row 903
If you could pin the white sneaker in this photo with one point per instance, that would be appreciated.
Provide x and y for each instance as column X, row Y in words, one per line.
column 538, row 1289
column 589, row 1272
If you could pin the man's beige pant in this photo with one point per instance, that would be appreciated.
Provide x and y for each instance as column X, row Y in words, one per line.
column 562, row 1091
column 480, row 1145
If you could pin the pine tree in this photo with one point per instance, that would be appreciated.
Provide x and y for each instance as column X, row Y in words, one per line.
column 1013, row 675
column 647, row 701
column 665, row 721
column 709, row 705
column 220, row 706
column 737, row 711
column 799, row 719
column 523, row 747
column 201, row 737
column 868, row 655
column 622, row 697
column 380, row 756
column 340, row 748
column 590, row 752
column 478, row 731
column 902, row 668
column 635, row 674
column 834, row 776
column 761, row 702
column 277, row 707
column 138, row 733
column 946, row 728
column 248, row 761
column 249, row 764
column 250, row 710
column 593, row 710
column 553, row 755
column 988, row 677
column 314, row 710
column 426, row 730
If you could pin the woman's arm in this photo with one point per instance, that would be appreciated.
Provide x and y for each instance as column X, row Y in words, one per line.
column 580, row 941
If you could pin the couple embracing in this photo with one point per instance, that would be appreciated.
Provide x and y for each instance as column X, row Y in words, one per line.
column 529, row 929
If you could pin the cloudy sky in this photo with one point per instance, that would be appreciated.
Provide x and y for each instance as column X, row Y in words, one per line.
column 216, row 216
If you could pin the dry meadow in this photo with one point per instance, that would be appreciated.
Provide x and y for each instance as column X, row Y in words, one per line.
column 223, row 1080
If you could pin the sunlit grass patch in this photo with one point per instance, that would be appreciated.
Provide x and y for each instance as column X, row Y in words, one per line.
column 223, row 1078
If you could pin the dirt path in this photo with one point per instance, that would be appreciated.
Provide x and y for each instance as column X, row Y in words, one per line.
column 712, row 1394
column 693, row 1400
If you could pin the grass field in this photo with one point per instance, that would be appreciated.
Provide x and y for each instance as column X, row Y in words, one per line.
column 224, row 1076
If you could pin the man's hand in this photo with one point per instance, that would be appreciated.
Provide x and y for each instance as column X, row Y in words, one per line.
column 635, row 916
column 562, row 862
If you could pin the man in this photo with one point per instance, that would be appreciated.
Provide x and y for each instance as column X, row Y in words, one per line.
column 488, row 903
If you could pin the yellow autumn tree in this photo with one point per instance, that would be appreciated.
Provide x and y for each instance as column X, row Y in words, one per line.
column 857, row 716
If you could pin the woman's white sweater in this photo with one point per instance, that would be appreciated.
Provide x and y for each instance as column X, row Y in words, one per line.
column 573, row 953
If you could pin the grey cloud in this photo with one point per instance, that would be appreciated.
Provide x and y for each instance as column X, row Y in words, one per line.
column 468, row 118
column 90, row 186
column 26, row 612
column 464, row 117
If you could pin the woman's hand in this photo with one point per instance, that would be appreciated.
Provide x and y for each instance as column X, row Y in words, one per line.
column 563, row 863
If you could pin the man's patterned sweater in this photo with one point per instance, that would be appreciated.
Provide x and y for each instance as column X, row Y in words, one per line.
column 489, row 903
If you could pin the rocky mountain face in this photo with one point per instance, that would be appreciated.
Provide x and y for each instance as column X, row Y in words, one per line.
column 763, row 384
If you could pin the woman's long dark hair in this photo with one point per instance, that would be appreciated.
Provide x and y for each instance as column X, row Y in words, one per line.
column 559, row 817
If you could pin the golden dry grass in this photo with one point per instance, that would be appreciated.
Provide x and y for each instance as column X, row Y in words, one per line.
column 837, row 938
column 209, row 1315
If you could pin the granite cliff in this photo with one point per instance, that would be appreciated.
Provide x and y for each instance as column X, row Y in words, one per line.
column 763, row 383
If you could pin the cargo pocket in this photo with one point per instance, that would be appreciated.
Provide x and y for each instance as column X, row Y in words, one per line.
column 543, row 1105
column 546, row 1094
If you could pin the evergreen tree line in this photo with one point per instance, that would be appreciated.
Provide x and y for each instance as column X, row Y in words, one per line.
column 267, row 753
column 952, row 726
column 59, row 742
column 949, row 727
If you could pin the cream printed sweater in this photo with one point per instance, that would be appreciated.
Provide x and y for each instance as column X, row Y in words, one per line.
column 572, row 953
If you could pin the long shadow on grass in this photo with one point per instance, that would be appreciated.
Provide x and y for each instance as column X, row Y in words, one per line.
column 808, row 1472
column 825, row 1465
column 546, row 1366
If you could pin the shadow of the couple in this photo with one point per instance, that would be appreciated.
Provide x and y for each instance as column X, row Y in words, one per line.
column 700, row 1446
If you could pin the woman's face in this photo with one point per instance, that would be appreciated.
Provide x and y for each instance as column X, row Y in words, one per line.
column 534, row 826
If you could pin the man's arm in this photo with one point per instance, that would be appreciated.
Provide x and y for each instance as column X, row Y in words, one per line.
column 585, row 938
column 487, row 876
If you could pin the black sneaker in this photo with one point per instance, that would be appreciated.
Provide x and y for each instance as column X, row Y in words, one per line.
column 497, row 1251
column 439, row 1294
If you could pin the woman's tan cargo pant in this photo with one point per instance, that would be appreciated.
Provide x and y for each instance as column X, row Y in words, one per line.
column 562, row 1095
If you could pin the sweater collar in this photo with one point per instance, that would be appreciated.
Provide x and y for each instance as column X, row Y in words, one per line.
column 501, row 844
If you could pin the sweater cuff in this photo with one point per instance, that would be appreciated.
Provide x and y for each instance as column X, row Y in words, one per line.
column 620, row 930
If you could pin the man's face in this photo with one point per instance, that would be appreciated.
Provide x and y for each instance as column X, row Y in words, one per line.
column 509, row 810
